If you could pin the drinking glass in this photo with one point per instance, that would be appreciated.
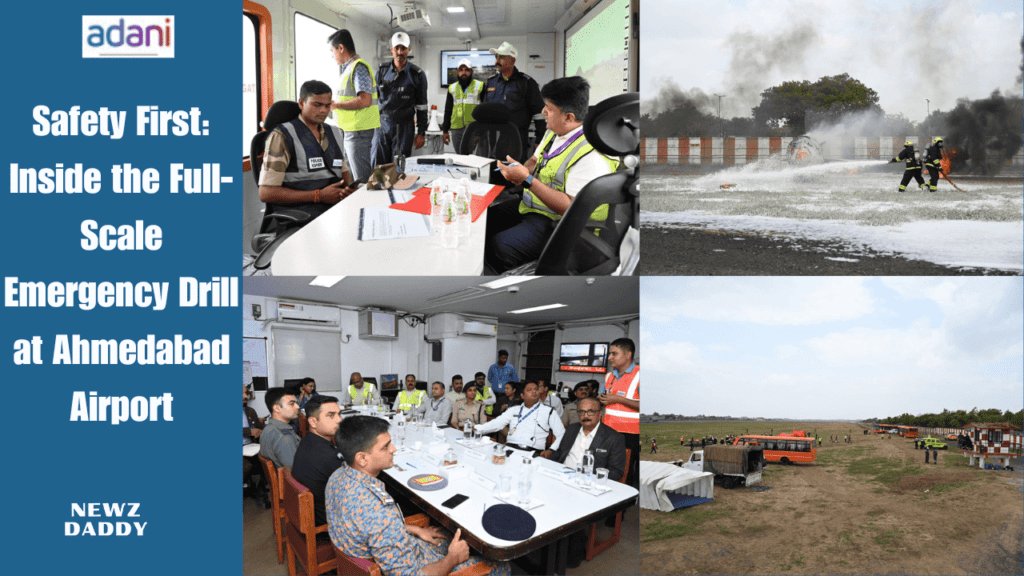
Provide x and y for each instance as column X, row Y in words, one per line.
column 505, row 486
column 602, row 476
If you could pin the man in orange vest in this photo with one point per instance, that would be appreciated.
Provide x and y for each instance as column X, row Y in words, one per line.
column 622, row 400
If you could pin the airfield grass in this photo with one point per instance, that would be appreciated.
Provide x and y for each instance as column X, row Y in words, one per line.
column 870, row 506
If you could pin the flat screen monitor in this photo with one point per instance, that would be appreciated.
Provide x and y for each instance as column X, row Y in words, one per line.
column 589, row 357
column 482, row 60
column 389, row 381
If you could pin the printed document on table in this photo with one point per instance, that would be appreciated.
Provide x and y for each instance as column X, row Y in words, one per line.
column 382, row 223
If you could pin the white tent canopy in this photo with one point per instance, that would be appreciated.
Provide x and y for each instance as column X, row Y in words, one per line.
column 659, row 479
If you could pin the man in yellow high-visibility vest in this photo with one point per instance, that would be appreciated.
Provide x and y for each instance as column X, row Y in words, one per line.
column 563, row 164
column 463, row 97
column 410, row 397
column 355, row 110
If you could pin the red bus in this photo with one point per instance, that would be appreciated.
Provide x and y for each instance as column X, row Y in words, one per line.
column 785, row 449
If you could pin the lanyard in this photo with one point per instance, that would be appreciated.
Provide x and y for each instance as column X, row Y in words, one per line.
column 438, row 403
column 546, row 157
column 521, row 417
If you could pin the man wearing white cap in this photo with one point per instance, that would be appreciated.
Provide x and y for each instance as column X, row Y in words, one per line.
column 519, row 92
column 402, row 91
column 463, row 96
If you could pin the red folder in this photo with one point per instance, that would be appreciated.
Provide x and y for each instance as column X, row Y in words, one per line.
column 420, row 202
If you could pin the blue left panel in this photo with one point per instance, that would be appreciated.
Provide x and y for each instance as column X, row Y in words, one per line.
column 170, row 470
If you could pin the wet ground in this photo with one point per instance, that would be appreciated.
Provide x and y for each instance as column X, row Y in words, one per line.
column 794, row 219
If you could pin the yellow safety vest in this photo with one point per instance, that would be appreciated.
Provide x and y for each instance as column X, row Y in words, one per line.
column 464, row 103
column 406, row 399
column 366, row 392
column 365, row 118
column 556, row 171
column 481, row 397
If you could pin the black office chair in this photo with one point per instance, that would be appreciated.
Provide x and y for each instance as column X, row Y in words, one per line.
column 580, row 245
column 491, row 135
column 277, row 225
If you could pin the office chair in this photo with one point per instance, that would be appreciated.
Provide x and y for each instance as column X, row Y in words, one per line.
column 278, row 224
column 491, row 135
column 580, row 245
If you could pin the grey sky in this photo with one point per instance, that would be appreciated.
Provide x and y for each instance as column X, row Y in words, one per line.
column 906, row 51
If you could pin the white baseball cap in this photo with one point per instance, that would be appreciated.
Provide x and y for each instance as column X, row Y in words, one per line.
column 465, row 62
column 400, row 39
column 506, row 49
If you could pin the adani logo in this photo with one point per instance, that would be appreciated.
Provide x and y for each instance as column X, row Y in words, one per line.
column 127, row 36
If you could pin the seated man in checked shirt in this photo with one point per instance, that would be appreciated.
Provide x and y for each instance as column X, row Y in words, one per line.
column 365, row 522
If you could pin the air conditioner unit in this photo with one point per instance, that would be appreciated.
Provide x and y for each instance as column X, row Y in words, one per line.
column 479, row 329
column 308, row 314
column 413, row 20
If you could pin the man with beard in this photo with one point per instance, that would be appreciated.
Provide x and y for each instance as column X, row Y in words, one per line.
column 463, row 96
column 456, row 392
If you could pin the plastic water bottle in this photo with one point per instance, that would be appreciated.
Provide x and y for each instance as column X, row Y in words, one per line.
column 436, row 204
column 463, row 199
column 467, row 429
column 525, row 485
column 588, row 468
column 449, row 222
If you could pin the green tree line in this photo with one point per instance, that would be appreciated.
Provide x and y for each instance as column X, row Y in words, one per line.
column 957, row 419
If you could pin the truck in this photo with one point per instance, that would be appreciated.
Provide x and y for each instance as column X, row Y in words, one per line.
column 731, row 465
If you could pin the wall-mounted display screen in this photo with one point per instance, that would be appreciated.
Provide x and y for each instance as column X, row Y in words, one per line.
column 483, row 63
column 583, row 358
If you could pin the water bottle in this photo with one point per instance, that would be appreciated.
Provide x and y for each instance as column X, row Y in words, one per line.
column 588, row 468
column 449, row 222
column 467, row 430
column 525, row 485
column 464, row 199
column 436, row 203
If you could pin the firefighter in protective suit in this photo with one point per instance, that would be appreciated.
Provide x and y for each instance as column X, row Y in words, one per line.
column 913, row 161
column 933, row 161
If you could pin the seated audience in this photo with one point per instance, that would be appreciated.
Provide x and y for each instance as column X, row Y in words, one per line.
column 365, row 522
column 529, row 424
column 469, row 408
column 410, row 397
column 455, row 394
column 316, row 457
column 438, row 409
column 359, row 392
column 279, row 441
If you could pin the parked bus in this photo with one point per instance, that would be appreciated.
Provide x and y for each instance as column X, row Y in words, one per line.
column 782, row 448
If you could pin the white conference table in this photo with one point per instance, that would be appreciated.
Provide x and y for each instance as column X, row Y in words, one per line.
column 565, row 509
column 328, row 246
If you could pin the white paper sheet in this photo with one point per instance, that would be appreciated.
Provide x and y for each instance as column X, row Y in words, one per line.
column 382, row 223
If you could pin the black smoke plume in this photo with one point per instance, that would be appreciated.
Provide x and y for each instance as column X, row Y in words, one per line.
column 985, row 133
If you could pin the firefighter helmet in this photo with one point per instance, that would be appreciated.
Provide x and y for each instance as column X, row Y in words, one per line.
column 937, row 139
column 908, row 143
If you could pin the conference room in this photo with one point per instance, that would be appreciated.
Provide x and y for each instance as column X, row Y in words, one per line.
column 424, row 205
column 389, row 350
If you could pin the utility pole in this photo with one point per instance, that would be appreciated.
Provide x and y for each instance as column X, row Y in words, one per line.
column 720, row 114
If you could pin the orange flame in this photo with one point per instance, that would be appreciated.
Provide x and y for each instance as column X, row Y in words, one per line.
column 946, row 162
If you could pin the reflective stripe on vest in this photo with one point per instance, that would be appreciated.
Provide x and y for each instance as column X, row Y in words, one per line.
column 406, row 398
column 365, row 118
column 354, row 392
column 311, row 167
column 555, row 172
column 464, row 103
column 618, row 416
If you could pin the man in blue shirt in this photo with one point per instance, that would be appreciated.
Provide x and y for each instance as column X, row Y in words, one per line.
column 500, row 373
column 519, row 92
column 402, row 91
